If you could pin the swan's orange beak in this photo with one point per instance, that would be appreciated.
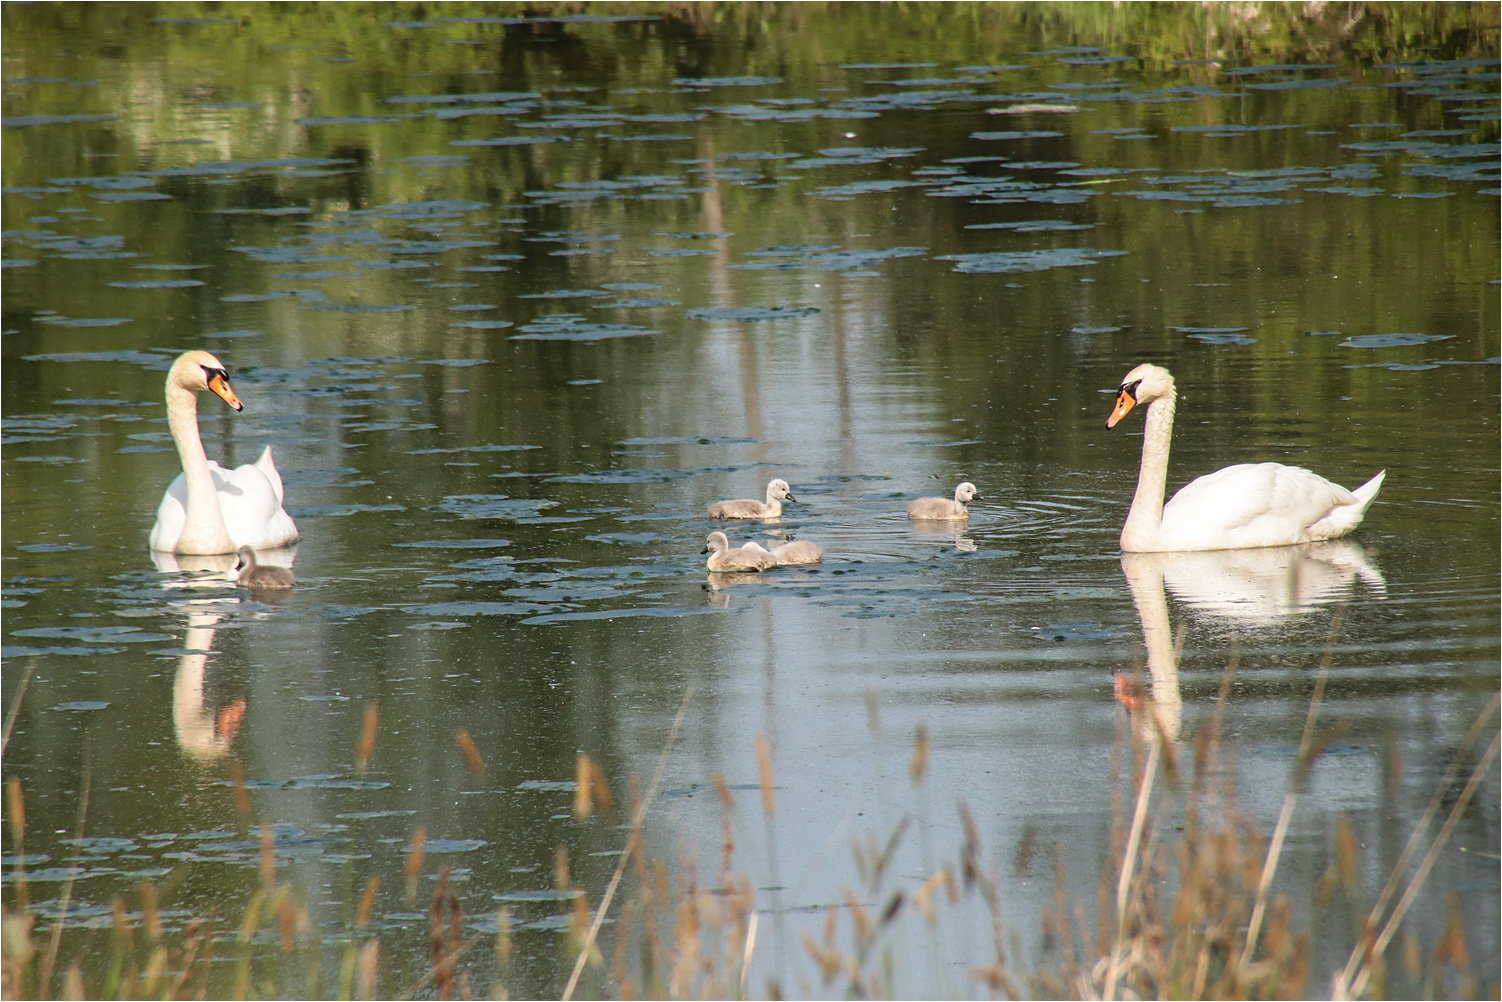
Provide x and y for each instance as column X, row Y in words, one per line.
column 1124, row 402
column 221, row 388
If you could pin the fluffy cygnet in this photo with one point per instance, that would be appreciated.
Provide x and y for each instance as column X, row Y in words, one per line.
column 777, row 492
column 943, row 508
column 256, row 576
column 800, row 551
column 750, row 557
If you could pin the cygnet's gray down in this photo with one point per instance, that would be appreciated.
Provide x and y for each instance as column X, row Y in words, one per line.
column 777, row 492
column 743, row 558
column 943, row 509
column 799, row 551
column 257, row 576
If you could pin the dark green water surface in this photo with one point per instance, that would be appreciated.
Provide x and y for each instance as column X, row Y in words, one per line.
column 512, row 300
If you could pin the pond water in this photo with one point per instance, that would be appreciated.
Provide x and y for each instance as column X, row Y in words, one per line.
column 512, row 300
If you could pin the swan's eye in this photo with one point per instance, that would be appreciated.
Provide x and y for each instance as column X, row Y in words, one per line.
column 209, row 374
column 1130, row 389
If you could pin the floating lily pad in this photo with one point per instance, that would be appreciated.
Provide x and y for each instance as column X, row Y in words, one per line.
column 507, row 140
column 494, row 506
column 636, row 304
column 572, row 327
column 80, row 322
column 746, row 81
column 347, row 120
column 1037, row 134
column 1391, row 340
column 1217, row 335
column 749, row 314
column 548, row 893
column 567, row 294
column 458, row 544
column 96, row 634
column 1004, row 262
column 19, row 121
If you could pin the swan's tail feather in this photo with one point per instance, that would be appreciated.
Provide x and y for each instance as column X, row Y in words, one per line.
column 1367, row 492
column 268, row 467
column 1345, row 517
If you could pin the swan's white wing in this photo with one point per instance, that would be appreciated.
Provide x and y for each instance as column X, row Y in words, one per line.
column 1259, row 504
column 250, row 502
column 268, row 469
column 252, row 505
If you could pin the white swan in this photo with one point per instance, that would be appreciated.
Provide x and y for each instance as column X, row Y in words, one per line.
column 209, row 509
column 1254, row 504
column 943, row 509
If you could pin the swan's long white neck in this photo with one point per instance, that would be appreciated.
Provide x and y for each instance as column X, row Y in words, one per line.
column 1145, row 520
column 203, row 525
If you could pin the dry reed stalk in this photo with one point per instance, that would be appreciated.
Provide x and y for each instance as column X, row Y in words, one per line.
column 15, row 705
column 17, row 808
column 600, row 789
column 1123, row 884
column 1425, row 820
column 49, row 959
column 248, row 927
column 367, row 903
column 727, row 804
column 1352, row 982
column 918, row 763
column 366, row 746
column 471, row 753
column 435, row 935
column 583, row 803
column 268, row 858
column 414, row 862
column 242, row 795
column 1303, row 763
column 367, row 969
column 502, row 954
column 636, row 822
column 73, row 983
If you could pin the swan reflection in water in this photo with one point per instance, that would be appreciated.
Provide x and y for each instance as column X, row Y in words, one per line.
column 206, row 733
column 203, row 733
column 1256, row 587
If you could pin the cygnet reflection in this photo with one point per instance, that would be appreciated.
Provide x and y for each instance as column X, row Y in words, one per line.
column 951, row 533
